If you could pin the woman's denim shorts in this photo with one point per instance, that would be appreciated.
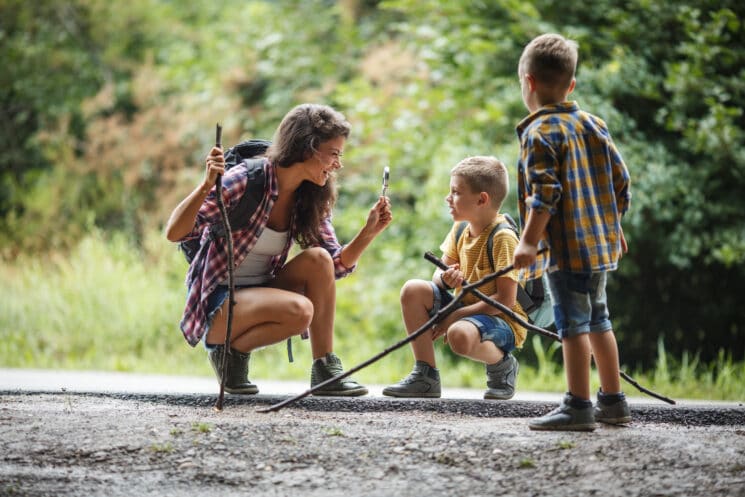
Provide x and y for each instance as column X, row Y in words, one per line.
column 214, row 303
column 492, row 328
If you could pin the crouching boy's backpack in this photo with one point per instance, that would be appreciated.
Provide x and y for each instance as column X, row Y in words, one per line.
column 248, row 151
column 531, row 294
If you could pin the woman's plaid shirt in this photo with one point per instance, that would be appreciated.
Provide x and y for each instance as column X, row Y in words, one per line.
column 210, row 265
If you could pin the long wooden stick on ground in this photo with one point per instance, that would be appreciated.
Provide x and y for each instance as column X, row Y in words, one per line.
column 506, row 310
column 231, row 284
column 441, row 314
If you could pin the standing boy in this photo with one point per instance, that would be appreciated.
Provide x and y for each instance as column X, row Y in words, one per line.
column 573, row 189
column 478, row 186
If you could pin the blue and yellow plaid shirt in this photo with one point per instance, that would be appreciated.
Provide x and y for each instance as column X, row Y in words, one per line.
column 570, row 167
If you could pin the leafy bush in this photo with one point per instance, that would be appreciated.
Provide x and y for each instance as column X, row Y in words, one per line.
column 115, row 134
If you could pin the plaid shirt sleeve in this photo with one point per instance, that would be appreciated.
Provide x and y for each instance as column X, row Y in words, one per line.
column 543, row 184
column 233, row 187
column 209, row 213
column 210, row 263
column 621, row 180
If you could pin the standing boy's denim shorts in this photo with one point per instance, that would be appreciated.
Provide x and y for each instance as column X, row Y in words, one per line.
column 492, row 328
column 580, row 303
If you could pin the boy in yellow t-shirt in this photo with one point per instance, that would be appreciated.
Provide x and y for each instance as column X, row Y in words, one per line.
column 478, row 186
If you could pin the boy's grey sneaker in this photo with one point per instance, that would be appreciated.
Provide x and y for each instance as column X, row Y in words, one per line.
column 236, row 380
column 501, row 378
column 328, row 367
column 615, row 412
column 422, row 382
column 566, row 418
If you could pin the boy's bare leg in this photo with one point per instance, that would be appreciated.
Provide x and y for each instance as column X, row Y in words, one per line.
column 577, row 356
column 416, row 299
column 465, row 340
column 605, row 351
column 424, row 380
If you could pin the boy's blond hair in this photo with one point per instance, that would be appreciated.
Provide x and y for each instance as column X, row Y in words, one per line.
column 485, row 174
column 551, row 59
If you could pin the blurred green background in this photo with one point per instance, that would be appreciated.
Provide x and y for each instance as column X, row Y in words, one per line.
column 107, row 109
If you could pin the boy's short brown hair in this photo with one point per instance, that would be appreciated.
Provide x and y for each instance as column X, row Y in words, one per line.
column 484, row 174
column 551, row 59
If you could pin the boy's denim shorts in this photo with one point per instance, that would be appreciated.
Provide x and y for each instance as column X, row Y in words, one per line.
column 580, row 303
column 492, row 328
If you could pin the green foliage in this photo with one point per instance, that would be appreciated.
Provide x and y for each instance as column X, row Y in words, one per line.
column 686, row 232
column 93, row 309
column 108, row 109
column 688, row 377
column 111, row 306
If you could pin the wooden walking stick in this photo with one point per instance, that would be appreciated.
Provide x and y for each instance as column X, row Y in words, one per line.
column 231, row 284
column 439, row 316
column 506, row 310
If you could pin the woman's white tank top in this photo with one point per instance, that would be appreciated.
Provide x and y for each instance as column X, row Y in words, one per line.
column 255, row 268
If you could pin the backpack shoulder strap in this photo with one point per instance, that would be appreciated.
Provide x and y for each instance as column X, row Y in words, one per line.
column 508, row 224
column 526, row 302
column 249, row 202
column 459, row 231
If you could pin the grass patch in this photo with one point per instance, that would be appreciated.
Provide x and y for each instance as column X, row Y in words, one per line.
column 110, row 306
column 164, row 448
column 201, row 427
column 105, row 306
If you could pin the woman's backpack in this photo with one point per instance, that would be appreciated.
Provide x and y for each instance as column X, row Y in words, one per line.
column 531, row 294
column 247, row 151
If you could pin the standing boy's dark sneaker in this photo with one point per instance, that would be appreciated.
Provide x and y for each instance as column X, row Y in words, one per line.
column 573, row 414
column 612, row 409
column 501, row 378
column 236, row 380
column 422, row 382
column 327, row 367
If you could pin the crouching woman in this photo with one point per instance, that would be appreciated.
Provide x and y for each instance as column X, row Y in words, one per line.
column 275, row 298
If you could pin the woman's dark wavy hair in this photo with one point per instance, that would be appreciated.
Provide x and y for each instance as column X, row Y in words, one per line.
column 297, row 138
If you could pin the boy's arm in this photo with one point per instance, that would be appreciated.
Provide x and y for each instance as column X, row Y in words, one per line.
column 535, row 227
column 622, row 190
column 621, row 181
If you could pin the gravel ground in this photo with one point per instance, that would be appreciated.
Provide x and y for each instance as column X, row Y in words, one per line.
column 162, row 445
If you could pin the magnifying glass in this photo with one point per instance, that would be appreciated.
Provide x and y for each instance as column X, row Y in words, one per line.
column 386, row 175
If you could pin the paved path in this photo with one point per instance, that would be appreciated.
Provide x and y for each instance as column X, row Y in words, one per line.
column 31, row 380
column 41, row 380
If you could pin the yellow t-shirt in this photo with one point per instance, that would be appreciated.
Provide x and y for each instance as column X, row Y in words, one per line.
column 470, row 253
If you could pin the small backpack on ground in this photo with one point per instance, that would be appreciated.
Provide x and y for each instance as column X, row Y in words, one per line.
column 531, row 294
column 238, row 216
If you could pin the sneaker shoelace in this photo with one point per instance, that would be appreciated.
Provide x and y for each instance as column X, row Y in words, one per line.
column 332, row 368
column 412, row 377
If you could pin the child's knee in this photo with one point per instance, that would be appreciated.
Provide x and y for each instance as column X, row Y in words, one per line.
column 459, row 339
column 414, row 289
